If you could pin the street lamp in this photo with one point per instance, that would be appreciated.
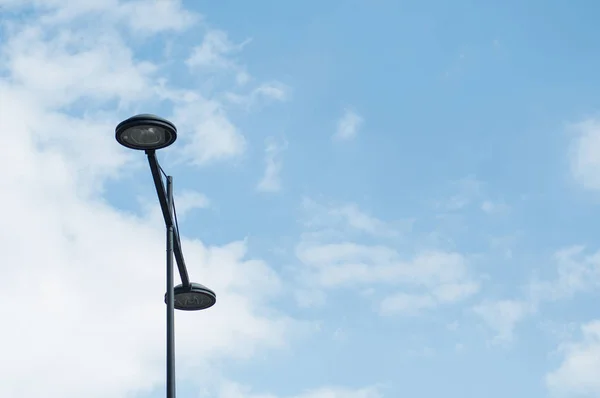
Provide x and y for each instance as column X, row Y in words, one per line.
column 149, row 133
column 193, row 297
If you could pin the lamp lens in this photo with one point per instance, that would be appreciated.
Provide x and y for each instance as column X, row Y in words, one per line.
column 145, row 136
column 192, row 301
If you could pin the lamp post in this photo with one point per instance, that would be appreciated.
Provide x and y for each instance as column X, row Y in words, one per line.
column 149, row 133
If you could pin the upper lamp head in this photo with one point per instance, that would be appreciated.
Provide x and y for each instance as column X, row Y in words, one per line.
column 146, row 132
column 194, row 297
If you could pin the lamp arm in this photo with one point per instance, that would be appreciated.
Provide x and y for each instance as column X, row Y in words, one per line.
column 169, row 222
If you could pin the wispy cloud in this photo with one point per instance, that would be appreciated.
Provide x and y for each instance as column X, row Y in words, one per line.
column 491, row 207
column 190, row 200
column 346, row 216
column 233, row 390
column 269, row 91
column 577, row 374
column 585, row 153
column 173, row 16
column 406, row 304
column 348, row 126
column 464, row 192
column 502, row 316
column 575, row 272
column 214, row 136
column 271, row 180
column 335, row 257
column 215, row 54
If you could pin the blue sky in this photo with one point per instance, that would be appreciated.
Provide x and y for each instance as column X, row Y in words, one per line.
column 389, row 198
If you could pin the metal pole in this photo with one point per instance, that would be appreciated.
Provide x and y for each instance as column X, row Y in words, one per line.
column 168, row 215
column 170, row 298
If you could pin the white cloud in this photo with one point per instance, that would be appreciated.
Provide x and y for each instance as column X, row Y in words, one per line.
column 263, row 93
column 189, row 200
column 463, row 196
column 585, row 153
column 84, row 296
column 457, row 291
column 274, row 90
column 345, row 216
column 407, row 304
column 185, row 202
column 271, row 179
column 576, row 273
column 442, row 294
column 214, row 137
column 232, row 390
column 65, row 67
column 172, row 15
column 82, row 282
column 137, row 15
column 339, row 264
column 214, row 52
column 577, row 375
column 333, row 260
column 502, row 317
column 348, row 125
column 465, row 191
column 307, row 298
column 361, row 221
column 491, row 207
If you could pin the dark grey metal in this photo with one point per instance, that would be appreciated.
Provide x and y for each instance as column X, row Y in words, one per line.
column 168, row 216
column 187, row 296
column 170, row 298
column 149, row 120
column 194, row 297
